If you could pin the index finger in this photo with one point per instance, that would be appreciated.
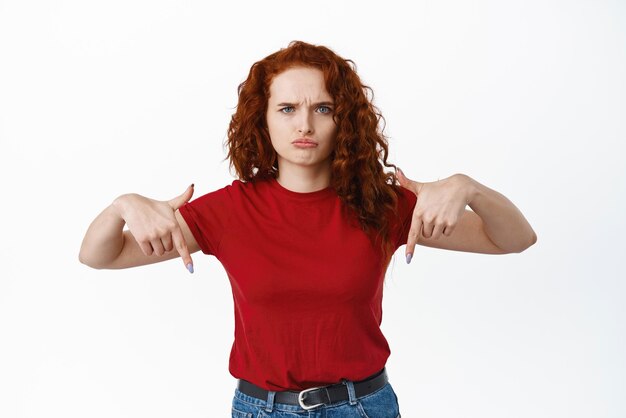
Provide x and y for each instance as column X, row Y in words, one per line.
column 181, row 246
column 414, row 231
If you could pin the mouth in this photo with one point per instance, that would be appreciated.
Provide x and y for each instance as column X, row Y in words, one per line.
column 304, row 141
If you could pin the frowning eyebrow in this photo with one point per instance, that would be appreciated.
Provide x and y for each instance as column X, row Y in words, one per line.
column 285, row 104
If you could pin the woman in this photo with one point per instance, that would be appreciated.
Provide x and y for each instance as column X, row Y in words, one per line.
column 306, row 234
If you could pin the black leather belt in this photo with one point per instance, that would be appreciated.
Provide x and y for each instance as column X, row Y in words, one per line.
column 314, row 397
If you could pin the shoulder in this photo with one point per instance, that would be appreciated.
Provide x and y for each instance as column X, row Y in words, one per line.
column 406, row 199
column 234, row 191
column 240, row 187
column 235, row 187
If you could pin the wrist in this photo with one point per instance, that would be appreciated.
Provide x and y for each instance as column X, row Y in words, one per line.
column 469, row 186
column 119, row 204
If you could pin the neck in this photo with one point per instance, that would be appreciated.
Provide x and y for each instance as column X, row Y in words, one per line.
column 303, row 179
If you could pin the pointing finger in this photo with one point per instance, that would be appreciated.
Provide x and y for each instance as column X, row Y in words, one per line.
column 181, row 246
column 416, row 226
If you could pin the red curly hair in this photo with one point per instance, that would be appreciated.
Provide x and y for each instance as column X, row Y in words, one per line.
column 361, row 148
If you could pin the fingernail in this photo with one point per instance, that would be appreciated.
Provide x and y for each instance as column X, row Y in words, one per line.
column 191, row 184
column 190, row 267
column 409, row 256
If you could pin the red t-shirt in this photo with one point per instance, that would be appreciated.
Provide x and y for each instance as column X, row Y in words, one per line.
column 307, row 285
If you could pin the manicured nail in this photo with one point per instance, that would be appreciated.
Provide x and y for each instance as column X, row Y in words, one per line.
column 191, row 184
column 190, row 267
column 409, row 256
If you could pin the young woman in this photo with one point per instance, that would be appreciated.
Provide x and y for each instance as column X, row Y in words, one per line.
column 305, row 235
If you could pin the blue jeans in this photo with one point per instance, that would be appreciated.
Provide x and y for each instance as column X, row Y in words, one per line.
column 383, row 403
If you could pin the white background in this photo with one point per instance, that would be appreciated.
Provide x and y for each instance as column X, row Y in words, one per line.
column 103, row 98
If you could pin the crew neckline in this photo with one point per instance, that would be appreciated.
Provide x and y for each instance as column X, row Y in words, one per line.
column 305, row 196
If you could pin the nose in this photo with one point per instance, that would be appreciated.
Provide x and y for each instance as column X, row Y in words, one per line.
column 305, row 126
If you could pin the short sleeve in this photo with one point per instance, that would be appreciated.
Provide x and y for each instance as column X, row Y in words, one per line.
column 208, row 217
column 406, row 204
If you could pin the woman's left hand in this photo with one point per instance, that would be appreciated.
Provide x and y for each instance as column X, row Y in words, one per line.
column 440, row 205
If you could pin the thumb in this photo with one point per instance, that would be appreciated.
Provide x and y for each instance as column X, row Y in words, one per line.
column 404, row 181
column 408, row 184
column 180, row 200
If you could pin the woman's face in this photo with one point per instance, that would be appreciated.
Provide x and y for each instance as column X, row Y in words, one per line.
column 299, row 108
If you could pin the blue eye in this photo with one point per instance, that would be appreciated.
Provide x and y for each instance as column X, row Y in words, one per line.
column 287, row 109
column 324, row 109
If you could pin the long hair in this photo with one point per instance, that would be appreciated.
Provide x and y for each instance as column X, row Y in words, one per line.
column 361, row 149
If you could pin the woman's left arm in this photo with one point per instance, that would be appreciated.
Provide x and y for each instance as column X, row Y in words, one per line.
column 496, row 225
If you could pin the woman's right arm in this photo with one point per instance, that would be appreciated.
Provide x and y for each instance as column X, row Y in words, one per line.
column 156, row 232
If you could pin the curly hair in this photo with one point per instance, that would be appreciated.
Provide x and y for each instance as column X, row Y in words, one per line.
column 361, row 149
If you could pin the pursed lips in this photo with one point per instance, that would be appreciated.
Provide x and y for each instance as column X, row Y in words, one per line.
column 304, row 141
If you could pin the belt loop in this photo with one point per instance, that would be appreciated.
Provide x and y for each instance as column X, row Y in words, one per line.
column 351, row 394
column 270, row 401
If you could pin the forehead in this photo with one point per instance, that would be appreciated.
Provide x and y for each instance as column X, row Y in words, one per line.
column 299, row 83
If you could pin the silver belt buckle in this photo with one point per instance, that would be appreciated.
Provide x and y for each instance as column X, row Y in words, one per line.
column 301, row 398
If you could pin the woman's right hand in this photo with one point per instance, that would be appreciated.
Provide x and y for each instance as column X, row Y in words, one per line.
column 153, row 223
